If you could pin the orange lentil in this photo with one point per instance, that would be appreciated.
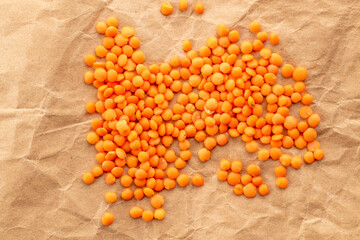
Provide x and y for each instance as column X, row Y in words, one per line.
column 287, row 70
column 302, row 126
column 312, row 146
column 159, row 214
column 300, row 142
column 280, row 171
column 257, row 181
column 187, row 45
column 197, row 180
column 305, row 112
column 157, row 201
column 233, row 178
column 275, row 153
column 88, row 178
column 199, row 8
column 299, row 74
column 257, row 45
column 296, row 162
column 111, row 31
column 238, row 189
column 107, row 219
column 204, row 154
column 110, row 197
column 249, row 190
column 290, row 122
column 307, row 99
column 101, row 51
column 234, row 36
column 309, row 134
column 172, row 173
column 169, row 183
column 313, row 120
column 319, row 154
column 246, row 47
column 255, row 27
column 282, row 182
column 147, row 215
column 262, row 36
column 309, row 157
column 112, row 21
column 138, row 194
column 183, row 180
column 126, row 180
column 225, row 164
column 265, row 53
column 253, row 170
column 89, row 77
column 183, row 5
column 93, row 138
column 263, row 190
column 127, row 194
column 236, row 166
column 90, row 59
column 166, row 8
column 251, row 146
column 97, row 171
column 136, row 212
column 246, row 179
column 287, row 142
column 274, row 39
column 285, row 160
column 222, row 30
column 149, row 192
column 209, row 143
column 134, row 42
column 90, row 107
column 222, row 175
column 101, row 27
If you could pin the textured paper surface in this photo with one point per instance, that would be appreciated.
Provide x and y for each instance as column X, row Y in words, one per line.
column 43, row 148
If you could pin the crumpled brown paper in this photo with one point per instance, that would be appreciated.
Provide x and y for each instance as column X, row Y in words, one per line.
column 43, row 149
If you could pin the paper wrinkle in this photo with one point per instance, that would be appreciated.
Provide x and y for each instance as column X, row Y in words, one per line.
column 65, row 127
column 43, row 151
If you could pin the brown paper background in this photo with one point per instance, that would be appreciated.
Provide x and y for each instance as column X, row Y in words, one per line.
column 43, row 148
